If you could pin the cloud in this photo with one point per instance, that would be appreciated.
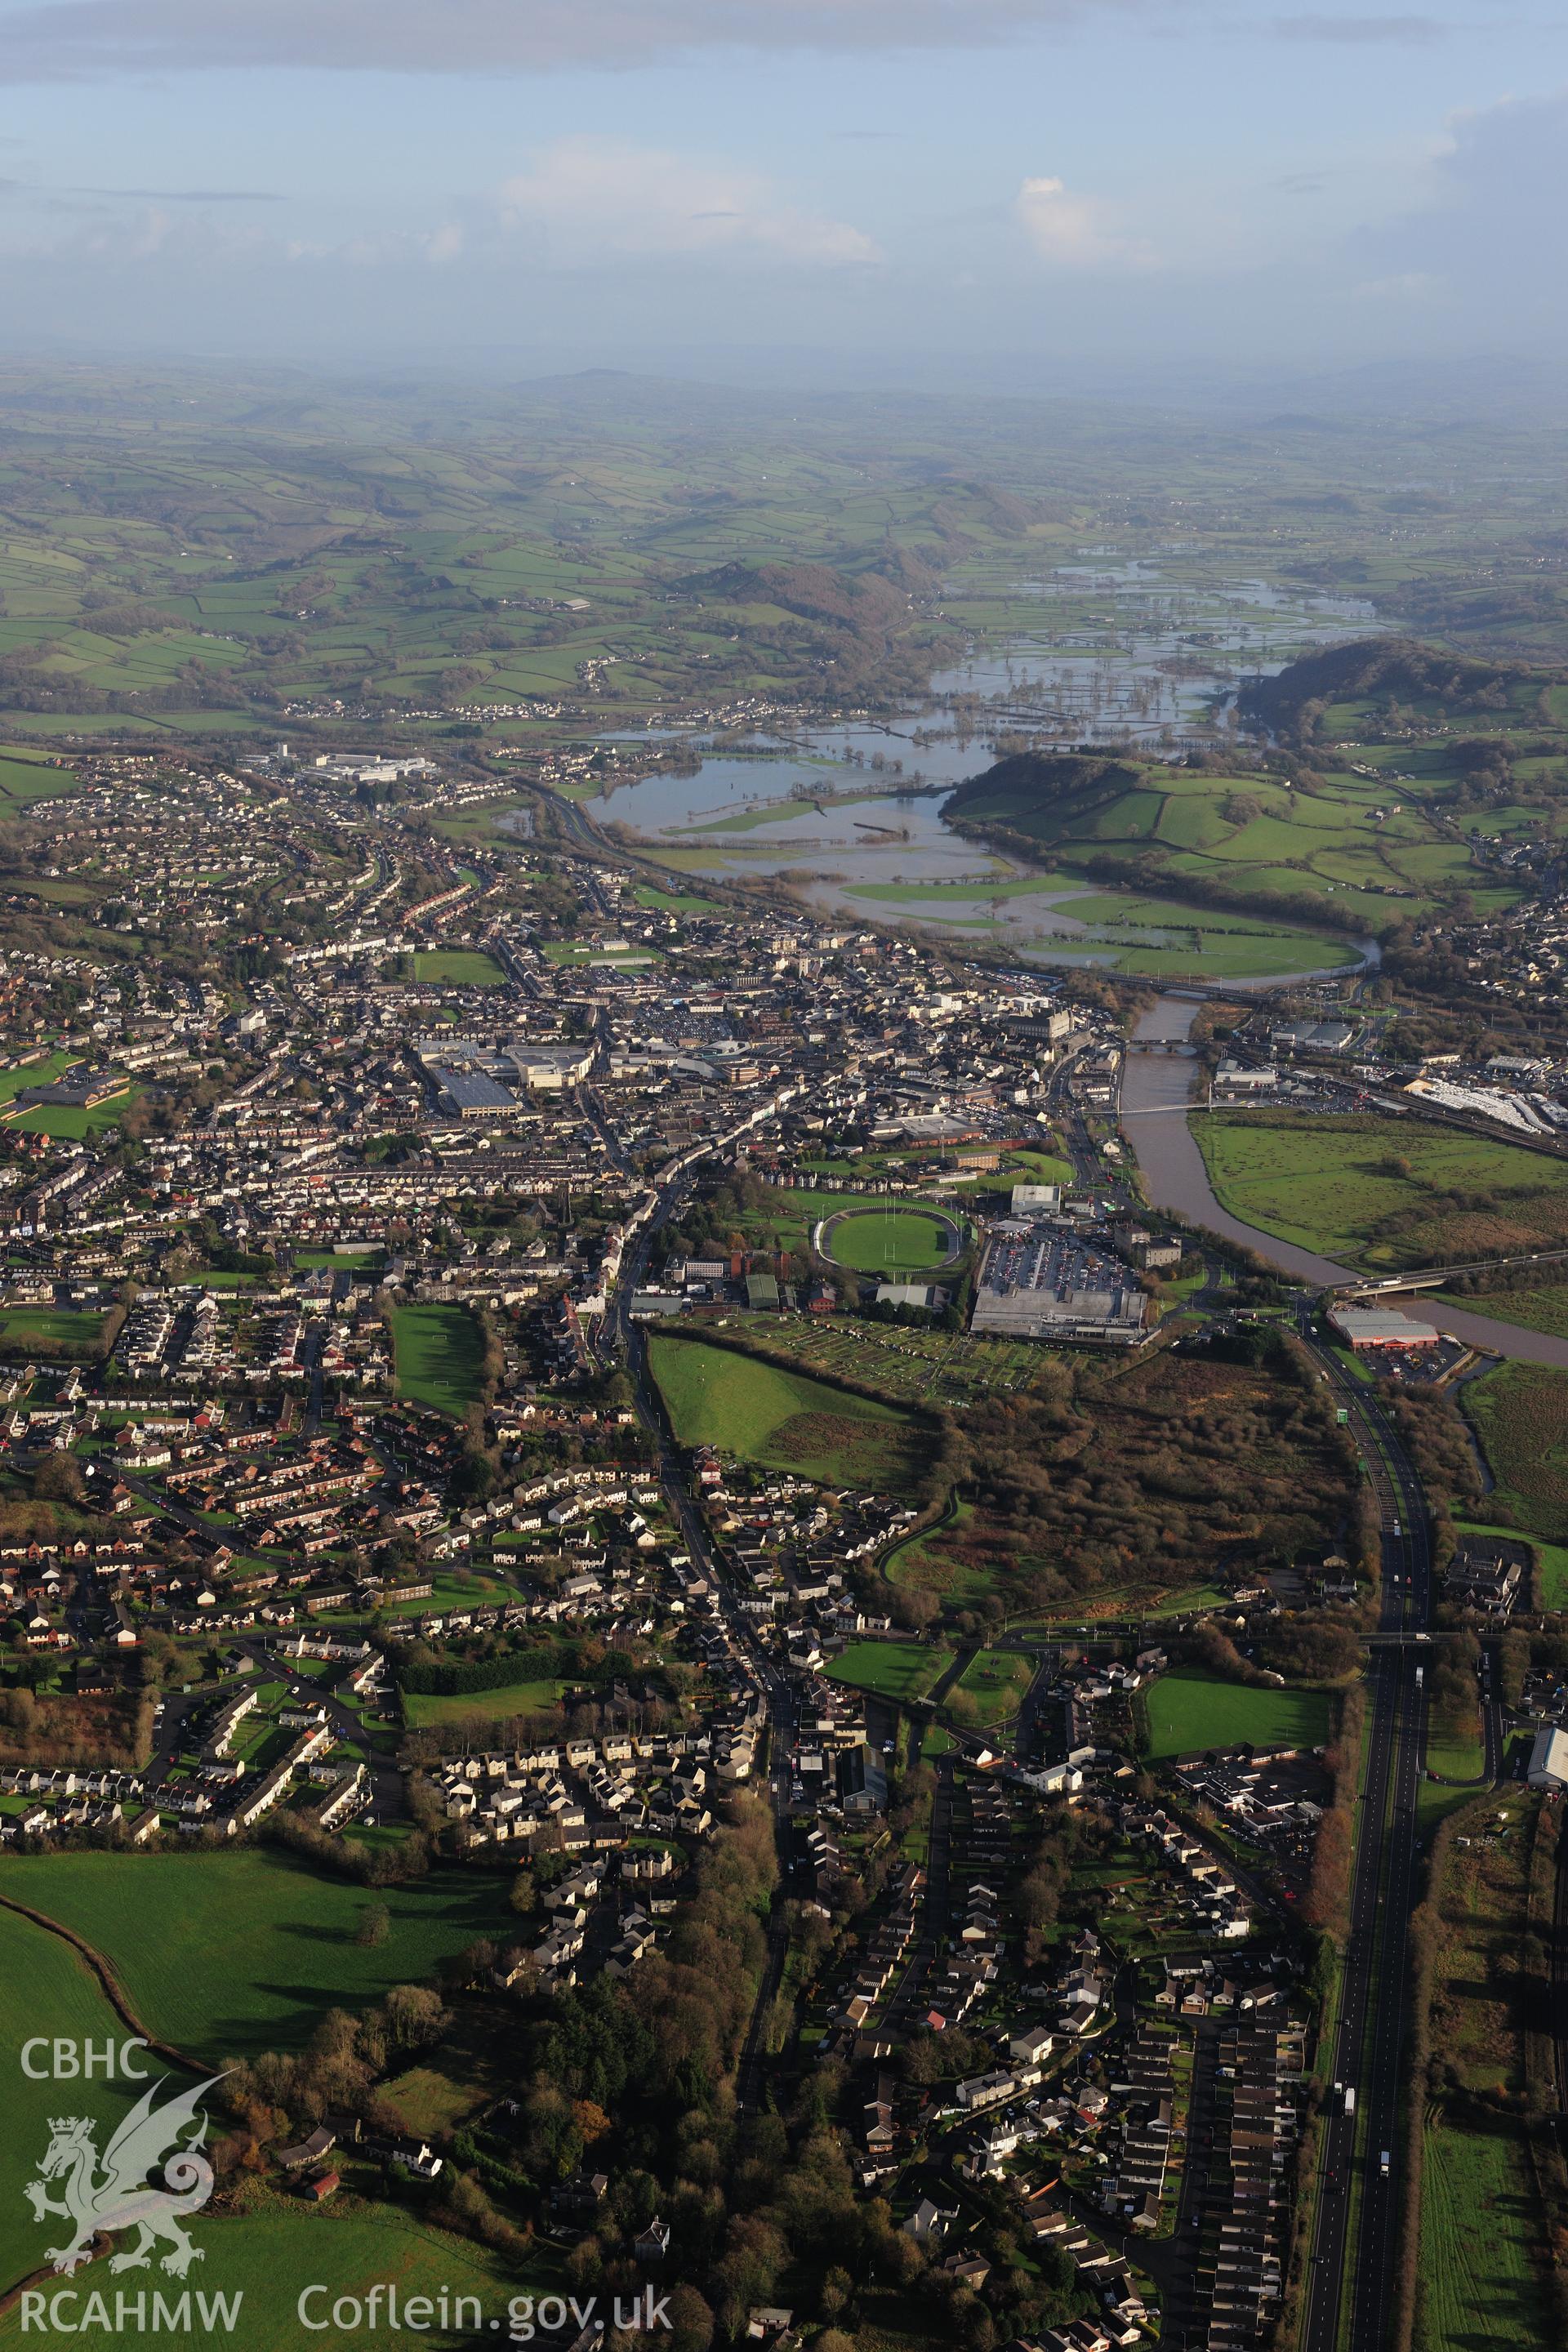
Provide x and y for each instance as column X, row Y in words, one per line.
column 1075, row 232
column 1417, row 285
column 1408, row 32
column 184, row 195
column 381, row 249
column 1485, row 215
column 68, row 39
column 593, row 199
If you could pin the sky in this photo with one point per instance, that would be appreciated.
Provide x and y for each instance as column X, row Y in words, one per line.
column 936, row 190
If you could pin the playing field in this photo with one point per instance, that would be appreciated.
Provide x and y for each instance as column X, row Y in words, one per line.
column 613, row 952
column 1190, row 1711
column 71, row 1122
column 18, row 1075
column 895, row 1670
column 20, row 1326
column 276, row 1939
column 464, row 967
column 717, row 1397
column 891, row 1241
column 440, row 1354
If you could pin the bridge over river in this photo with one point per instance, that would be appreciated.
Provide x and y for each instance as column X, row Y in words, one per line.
column 1158, row 1082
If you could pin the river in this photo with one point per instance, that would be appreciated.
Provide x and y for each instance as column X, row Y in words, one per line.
column 1157, row 1087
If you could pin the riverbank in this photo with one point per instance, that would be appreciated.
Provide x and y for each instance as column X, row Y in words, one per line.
column 1158, row 1081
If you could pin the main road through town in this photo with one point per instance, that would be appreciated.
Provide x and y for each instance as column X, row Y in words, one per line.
column 1352, row 2283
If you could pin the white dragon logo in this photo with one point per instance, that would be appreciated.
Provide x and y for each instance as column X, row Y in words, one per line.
column 122, row 2199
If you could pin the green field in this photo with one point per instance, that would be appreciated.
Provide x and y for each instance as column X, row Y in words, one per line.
column 28, row 776
column 421, row 1709
column 19, row 1326
column 439, row 1353
column 464, row 967
column 49, row 1992
column 611, row 953
column 717, row 1397
column 1190, row 1711
column 69, row 1121
column 451, row 1588
column 1380, row 1192
column 1343, row 854
column 894, row 1670
column 789, row 1215
column 1480, row 2238
column 1483, row 2230
column 676, row 902
column 19, row 1076
column 276, row 1939
column 1454, row 1748
column 1539, row 1306
column 269, row 2255
column 890, row 1242
column 1179, row 1603
column 919, row 1561
column 993, row 1685
column 1520, row 1417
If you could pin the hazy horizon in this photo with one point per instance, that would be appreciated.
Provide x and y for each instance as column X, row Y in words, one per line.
column 1156, row 196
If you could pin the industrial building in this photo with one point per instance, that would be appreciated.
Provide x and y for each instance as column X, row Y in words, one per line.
column 472, row 1094
column 1038, row 1283
column 1367, row 1328
column 1549, row 1759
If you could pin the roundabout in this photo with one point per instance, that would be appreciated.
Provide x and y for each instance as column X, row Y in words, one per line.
column 889, row 1240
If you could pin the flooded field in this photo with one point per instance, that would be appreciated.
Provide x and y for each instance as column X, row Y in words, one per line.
column 1133, row 651
column 850, row 815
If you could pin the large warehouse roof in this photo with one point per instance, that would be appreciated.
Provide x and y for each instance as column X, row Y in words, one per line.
column 1381, row 1327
